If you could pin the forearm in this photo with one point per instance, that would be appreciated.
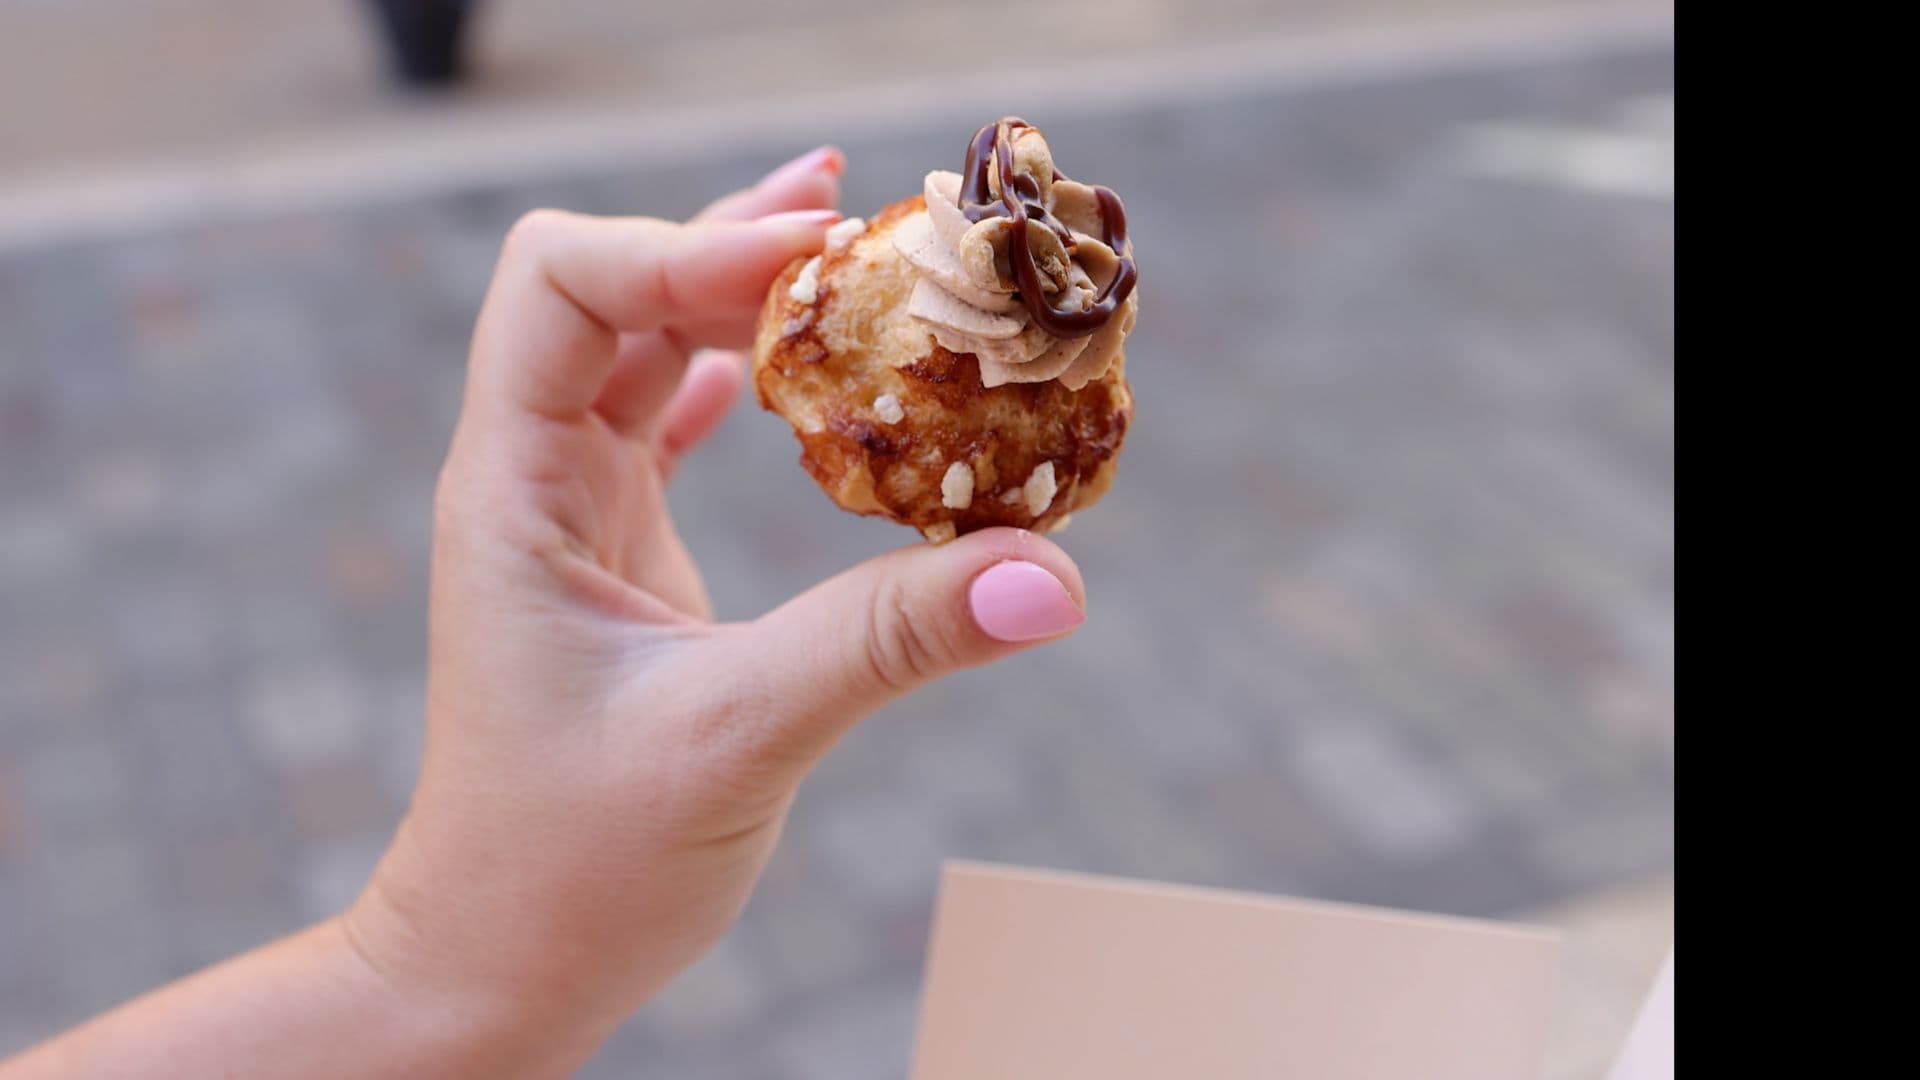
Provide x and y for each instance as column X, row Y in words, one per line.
column 313, row 1004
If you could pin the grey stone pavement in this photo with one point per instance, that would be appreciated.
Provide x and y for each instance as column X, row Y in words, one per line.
column 1382, row 604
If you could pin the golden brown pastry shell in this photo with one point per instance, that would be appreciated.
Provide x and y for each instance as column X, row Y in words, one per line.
column 821, row 366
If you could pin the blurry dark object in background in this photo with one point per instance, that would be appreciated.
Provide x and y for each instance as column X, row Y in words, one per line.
column 427, row 38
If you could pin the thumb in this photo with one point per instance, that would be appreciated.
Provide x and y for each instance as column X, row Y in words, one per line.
column 895, row 623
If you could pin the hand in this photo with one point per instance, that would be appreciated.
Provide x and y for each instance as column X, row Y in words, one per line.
column 606, row 769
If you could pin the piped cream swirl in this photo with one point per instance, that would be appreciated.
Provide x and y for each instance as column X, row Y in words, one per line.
column 966, row 297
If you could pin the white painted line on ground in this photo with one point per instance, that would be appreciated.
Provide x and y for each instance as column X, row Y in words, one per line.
column 415, row 154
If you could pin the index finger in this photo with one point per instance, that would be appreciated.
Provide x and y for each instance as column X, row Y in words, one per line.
column 809, row 181
column 567, row 285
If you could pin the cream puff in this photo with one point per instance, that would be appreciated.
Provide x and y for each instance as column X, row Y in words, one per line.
column 959, row 361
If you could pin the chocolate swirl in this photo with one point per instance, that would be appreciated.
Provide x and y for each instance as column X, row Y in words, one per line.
column 1021, row 202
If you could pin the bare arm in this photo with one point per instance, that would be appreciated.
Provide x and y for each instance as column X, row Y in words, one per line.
column 607, row 768
column 308, row 1005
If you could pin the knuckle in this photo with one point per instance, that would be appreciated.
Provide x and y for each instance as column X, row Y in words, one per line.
column 533, row 231
column 905, row 647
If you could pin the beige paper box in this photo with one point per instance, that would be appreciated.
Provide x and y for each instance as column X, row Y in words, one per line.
column 1045, row 976
column 1649, row 1053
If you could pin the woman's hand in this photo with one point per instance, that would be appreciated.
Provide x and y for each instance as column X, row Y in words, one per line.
column 606, row 768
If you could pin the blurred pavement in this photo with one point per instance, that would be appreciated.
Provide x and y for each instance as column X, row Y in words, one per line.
column 1382, row 604
column 106, row 81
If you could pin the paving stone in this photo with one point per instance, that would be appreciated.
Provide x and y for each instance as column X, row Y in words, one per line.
column 304, row 714
column 1623, row 843
column 186, row 765
column 70, row 785
column 335, row 800
column 726, row 991
column 1388, row 800
column 859, row 1037
column 850, row 832
column 330, row 876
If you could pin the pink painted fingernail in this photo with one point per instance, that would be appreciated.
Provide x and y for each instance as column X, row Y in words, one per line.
column 825, row 159
column 1020, row 601
column 802, row 217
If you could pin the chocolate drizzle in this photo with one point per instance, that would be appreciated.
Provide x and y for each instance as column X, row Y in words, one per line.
column 1020, row 202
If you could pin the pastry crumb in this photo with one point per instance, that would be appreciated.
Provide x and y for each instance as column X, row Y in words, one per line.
column 1060, row 526
column 842, row 236
column 806, row 287
column 888, row 410
column 1040, row 489
column 956, row 488
column 940, row 532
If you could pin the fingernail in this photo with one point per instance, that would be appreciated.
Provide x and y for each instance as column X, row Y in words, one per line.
column 1020, row 601
column 825, row 159
column 802, row 217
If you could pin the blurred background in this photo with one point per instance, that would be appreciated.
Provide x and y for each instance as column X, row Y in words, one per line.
column 1383, row 603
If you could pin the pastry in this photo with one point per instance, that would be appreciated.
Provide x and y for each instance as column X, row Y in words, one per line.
column 958, row 361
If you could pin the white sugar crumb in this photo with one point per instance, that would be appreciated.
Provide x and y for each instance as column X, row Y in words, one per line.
column 844, row 234
column 1013, row 496
column 806, row 287
column 956, row 488
column 797, row 324
column 1040, row 489
column 887, row 409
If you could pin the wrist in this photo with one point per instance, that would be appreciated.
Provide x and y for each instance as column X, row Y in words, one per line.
column 474, row 998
